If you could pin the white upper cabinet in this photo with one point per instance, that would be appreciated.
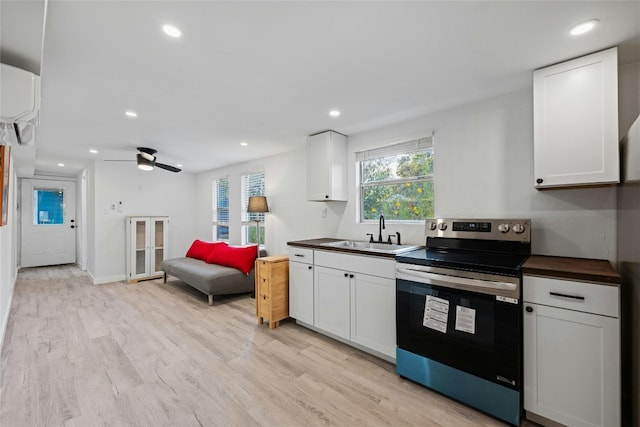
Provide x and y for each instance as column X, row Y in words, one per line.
column 575, row 108
column 327, row 167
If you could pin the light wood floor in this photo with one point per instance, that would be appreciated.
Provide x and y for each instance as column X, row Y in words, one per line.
column 154, row 354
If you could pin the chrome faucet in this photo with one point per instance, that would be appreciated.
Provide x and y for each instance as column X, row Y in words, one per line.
column 380, row 228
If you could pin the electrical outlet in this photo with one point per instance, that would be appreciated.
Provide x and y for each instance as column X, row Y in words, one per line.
column 324, row 212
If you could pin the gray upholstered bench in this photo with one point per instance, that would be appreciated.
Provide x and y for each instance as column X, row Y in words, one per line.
column 210, row 279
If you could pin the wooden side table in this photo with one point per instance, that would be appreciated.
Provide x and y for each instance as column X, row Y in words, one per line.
column 272, row 289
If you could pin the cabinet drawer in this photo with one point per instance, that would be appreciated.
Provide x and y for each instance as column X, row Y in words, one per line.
column 297, row 254
column 264, row 270
column 579, row 296
column 264, row 306
column 372, row 265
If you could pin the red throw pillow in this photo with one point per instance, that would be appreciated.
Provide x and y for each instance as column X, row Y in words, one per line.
column 201, row 250
column 240, row 257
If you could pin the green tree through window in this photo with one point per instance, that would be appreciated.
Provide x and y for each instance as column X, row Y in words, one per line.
column 398, row 185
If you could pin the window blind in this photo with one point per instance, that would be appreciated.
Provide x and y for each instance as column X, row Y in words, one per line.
column 395, row 149
column 221, row 201
column 252, row 184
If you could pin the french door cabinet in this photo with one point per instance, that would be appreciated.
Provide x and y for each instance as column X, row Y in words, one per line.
column 147, row 242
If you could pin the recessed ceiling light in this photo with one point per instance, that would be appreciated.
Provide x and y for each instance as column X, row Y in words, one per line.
column 92, row 151
column 334, row 113
column 131, row 113
column 61, row 165
column 172, row 31
column 244, row 143
column 585, row 27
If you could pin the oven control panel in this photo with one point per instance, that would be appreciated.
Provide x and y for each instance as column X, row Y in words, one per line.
column 480, row 227
column 518, row 230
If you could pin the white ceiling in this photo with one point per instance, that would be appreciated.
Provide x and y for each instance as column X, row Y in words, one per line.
column 269, row 72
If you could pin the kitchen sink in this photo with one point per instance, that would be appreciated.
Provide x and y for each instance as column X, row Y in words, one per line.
column 371, row 246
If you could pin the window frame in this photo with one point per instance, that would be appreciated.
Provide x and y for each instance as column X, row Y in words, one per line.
column 406, row 147
column 215, row 223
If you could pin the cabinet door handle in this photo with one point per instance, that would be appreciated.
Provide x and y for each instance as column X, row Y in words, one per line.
column 310, row 267
column 299, row 255
column 529, row 309
column 539, row 180
column 346, row 274
column 351, row 276
column 557, row 294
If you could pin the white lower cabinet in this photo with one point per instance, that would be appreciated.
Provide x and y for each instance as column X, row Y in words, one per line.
column 353, row 305
column 571, row 351
column 373, row 313
column 301, row 284
column 332, row 301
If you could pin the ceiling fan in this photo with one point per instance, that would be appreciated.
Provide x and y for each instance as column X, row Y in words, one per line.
column 146, row 159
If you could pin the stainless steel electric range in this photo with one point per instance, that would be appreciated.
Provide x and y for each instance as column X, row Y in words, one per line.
column 459, row 312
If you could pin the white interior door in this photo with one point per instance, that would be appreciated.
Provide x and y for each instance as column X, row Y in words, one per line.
column 48, row 223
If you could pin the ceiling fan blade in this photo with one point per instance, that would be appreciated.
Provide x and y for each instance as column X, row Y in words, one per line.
column 168, row 167
column 115, row 160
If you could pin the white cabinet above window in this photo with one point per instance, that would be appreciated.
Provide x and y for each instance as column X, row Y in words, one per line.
column 575, row 108
column 327, row 167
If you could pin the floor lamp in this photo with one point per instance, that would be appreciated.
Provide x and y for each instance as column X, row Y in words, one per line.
column 258, row 204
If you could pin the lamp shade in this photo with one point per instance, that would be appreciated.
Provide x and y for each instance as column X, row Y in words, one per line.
column 258, row 204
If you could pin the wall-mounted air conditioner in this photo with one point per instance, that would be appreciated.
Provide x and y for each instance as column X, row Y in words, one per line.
column 19, row 105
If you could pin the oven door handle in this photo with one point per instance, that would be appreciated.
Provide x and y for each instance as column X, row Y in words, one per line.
column 416, row 275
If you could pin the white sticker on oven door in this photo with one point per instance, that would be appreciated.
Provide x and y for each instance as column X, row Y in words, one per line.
column 436, row 311
column 465, row 319
column 506, row 299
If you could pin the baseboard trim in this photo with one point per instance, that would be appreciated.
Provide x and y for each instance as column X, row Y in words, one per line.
column 107, row 279
column 543, row 421
column 5, row 321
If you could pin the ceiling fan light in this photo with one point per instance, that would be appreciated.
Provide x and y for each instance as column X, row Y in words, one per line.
column 148, row 156
column 143, row 163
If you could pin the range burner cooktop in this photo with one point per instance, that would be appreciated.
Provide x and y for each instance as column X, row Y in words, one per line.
column 485, row 262
column 498, row 246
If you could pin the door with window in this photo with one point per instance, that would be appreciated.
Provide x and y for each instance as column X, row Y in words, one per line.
column 48, row 226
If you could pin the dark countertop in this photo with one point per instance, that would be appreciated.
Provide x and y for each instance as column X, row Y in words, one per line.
column 317, row 244
column 589, row 270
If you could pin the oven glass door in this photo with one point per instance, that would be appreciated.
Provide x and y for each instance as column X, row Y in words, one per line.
column 473, row 332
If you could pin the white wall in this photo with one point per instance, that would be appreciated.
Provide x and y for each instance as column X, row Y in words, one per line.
column 628, row 95
column 484, row 168
column 629, row 248
column 155, row 193
column 8, row 252
column 292, row 217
